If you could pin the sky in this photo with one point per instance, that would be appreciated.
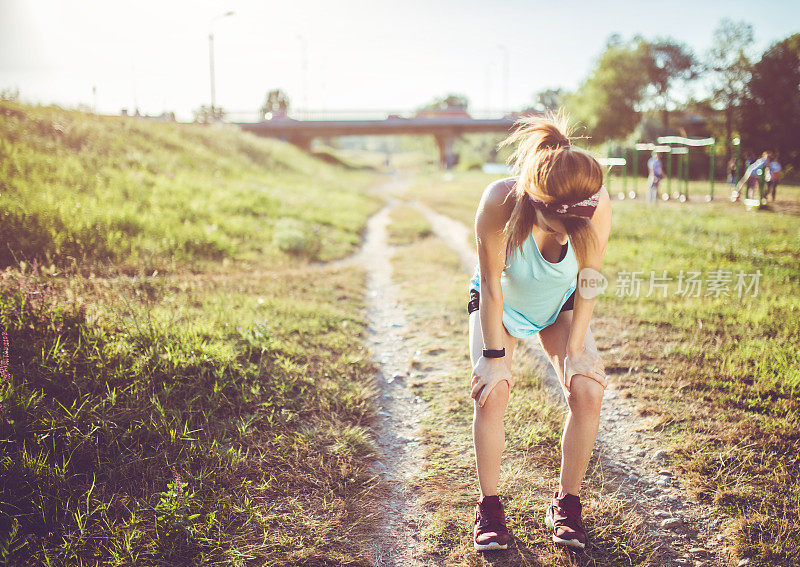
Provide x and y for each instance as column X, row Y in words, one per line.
column 336, row 55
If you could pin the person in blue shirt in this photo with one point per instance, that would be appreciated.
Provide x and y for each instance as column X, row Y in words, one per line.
column 655, row 173
column 772, row 176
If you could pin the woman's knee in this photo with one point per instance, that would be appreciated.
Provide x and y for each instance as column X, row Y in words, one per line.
column 497, row 400
column 585, row 394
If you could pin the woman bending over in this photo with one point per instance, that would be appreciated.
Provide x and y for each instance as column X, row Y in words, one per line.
column 540, row 235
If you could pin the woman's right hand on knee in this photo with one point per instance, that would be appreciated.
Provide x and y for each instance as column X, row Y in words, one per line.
column 487, row 374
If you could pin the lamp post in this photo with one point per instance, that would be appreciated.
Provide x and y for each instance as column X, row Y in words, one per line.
column 211, row 58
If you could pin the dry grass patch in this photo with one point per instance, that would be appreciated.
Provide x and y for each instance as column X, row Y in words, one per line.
column 407, row 225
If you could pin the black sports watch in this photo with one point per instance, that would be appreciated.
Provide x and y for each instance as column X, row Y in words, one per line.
column 494, row 353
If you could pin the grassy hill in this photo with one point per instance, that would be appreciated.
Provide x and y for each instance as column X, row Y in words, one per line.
column 181, row 384
column 82, row 189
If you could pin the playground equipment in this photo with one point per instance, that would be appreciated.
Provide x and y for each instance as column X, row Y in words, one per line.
column 683, row 163
column 682, row 175
column 668, row 146
column 610, row 162
column 679, row 147
column 650, row 148
column 750, row 202
column 738, row 143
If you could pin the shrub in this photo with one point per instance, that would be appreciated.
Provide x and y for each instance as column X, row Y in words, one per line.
column 293, row 236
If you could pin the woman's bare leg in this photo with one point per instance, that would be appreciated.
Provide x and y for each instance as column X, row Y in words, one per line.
column 488, row 432
column 584, row 398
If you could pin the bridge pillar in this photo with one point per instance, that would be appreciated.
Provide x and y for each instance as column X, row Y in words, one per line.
column 302, row 142
column 445, row 141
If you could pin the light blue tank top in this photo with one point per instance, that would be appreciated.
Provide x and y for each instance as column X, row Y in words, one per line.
column 534, row 290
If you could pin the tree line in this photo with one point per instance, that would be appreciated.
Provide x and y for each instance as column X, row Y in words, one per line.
column 637, row 85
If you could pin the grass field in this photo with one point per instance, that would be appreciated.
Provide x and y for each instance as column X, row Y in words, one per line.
column 85, row 191
column 407, row 226
column 720, row 370
column 214, row 412
column 185, row 382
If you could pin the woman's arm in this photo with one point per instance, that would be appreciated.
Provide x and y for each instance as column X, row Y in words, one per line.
column 493, row 212
column 583, row 306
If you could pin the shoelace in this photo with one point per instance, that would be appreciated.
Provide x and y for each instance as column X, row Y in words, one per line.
column 569, row 516
column 490, row 519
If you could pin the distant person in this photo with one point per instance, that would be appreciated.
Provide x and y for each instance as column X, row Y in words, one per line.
column 773, row 176
column 732, row 171
column 655, row 172
column 534, row 233
column 751, row 177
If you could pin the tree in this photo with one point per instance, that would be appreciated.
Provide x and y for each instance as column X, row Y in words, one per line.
column 729, row 68
column 276, row 105
column 669, row 63
column 549, row 99
column 449, row 103
column 204, row 115
column 771, row 111
column 608, row 102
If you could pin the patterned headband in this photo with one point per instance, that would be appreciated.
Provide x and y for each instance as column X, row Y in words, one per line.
column 583, row 208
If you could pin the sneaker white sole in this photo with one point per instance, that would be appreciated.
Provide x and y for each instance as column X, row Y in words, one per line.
column 489, row 546
column 569, row 542
column 548, row 521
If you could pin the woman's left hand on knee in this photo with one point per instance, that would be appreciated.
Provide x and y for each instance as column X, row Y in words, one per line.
column 586, row 362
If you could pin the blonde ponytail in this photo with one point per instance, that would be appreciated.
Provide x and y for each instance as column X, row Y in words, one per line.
column 551, row 170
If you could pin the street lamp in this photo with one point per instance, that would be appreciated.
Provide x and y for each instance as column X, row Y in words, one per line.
column 304, row 65
column 211, row 58
column 738, row 143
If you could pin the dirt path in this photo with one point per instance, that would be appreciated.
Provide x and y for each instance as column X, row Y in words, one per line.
column 401, row 518
column 631, row 463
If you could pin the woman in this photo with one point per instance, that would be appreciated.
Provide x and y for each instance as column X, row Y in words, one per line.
column 533, row 234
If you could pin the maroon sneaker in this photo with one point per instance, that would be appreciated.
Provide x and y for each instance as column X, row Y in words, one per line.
column 490, row 524
column 564, row 518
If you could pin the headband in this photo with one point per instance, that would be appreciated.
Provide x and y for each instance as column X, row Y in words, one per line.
column 584, row 208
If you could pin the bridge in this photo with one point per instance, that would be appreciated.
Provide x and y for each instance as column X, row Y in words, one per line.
column 444, row 128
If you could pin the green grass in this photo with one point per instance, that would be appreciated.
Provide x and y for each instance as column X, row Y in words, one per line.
column 721, row 371
column 407, row 225
column 244, row 386
column 89, row 191
column 735, row 418
column 216, row 412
